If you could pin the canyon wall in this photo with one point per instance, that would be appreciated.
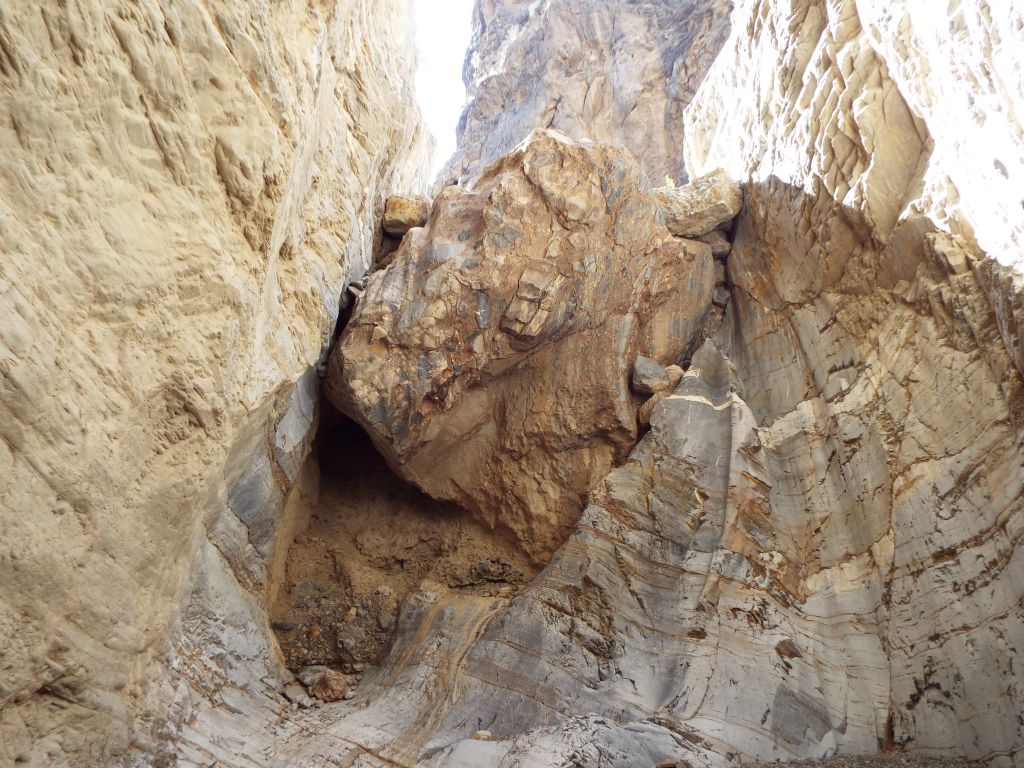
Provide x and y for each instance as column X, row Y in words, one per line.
column 185, row 190
column 808, row 543
column 816, row 548
column 873, row 347
column 614, row 71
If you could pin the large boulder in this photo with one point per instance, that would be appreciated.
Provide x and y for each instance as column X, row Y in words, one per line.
column 702, row 206
column 490, row 362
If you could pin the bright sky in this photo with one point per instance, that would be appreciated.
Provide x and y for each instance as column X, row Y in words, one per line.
column 442, row 36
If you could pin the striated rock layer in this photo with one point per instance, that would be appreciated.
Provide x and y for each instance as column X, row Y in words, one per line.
column 185, row 188
column 877, row 358
column 817, row 547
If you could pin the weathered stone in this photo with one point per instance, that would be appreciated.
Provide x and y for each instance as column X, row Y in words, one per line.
column 702, row 206
column 613, row 72
column 403, row 212
column 720, row 245
column 309, row 675
column 297, row 695
column 181, row 202
column 648, row 376
column 520, row 304
column 815, row 550
column 329, row 686
column 643, row 416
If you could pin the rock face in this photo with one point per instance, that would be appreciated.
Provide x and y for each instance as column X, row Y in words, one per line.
column 702, row 206
column 877, row 360
column 490, row 361
column 185, row 188
column 609, row 71
column 817, row 547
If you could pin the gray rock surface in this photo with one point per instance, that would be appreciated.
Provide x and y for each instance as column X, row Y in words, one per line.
column 605, row 70
column 816, row 547
column 648, row 376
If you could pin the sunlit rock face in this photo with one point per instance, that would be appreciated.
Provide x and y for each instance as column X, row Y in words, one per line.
column 610, row 71
column 875, row 346
column 184, row 190
column 491, row 360
column 816, row 548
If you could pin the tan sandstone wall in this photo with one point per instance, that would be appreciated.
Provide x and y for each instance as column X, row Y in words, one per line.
column 185, row 188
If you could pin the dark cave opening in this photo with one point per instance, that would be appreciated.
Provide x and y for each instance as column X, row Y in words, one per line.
column 371, row 540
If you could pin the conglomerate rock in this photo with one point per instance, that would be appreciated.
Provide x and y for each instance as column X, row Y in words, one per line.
column 490, row 362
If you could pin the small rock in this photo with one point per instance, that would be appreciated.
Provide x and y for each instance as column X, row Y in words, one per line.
column 402, row 213
column 721, row 296
column 349, row 695
column 330, row 686
column 296, row 694
column 675, row 375
column 701, row 206
column 309, row 675
column 483, row 736
column 644, row 414
column 358, row 666
column 648, row 376
column 720, row 245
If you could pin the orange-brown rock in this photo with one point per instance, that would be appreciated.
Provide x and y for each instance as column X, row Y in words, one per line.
column 330, row 686
column 490, row 362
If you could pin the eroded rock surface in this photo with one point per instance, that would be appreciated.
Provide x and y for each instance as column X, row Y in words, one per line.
column 185, row 188
column 490, row 362
column 817, row 547
column 605, row 70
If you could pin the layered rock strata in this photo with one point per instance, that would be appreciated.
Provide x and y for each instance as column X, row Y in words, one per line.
column 816, row 548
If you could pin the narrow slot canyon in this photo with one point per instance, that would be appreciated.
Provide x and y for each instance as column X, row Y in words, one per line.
column 369, row 543
column 663, row 409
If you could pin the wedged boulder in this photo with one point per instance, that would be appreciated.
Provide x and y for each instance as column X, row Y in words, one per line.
column 648, row 376
column 490, row 361
column 702, row 206
column 403, row 212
